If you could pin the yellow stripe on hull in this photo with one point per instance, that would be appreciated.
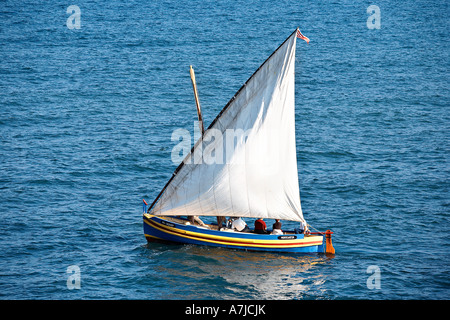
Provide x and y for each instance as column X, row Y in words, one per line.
column 235, row 241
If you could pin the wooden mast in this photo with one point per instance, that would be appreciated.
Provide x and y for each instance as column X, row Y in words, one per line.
column 200, row 119
column 197, row 101
column 202, row 130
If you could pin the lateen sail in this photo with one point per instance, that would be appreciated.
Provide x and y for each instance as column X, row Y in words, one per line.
column 248, row 154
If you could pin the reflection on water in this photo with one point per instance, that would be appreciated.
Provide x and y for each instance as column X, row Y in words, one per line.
column 240, row 274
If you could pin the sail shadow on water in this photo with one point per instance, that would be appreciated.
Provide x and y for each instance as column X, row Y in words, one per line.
column 243, row 275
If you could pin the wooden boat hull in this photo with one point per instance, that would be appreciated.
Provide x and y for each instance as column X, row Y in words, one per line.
column 159, row 228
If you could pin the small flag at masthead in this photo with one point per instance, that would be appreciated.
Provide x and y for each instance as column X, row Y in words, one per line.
column 301, row 36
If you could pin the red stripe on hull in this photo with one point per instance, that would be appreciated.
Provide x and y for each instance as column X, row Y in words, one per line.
column 234, row 242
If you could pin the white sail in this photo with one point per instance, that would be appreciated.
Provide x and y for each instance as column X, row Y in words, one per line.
column 248, row 154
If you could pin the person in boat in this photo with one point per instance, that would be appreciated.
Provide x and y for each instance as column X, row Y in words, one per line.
column 220, row 221
column 193, row 219
column 240, row 225
column 276, row 227
column 260, row 226
column 302, row 229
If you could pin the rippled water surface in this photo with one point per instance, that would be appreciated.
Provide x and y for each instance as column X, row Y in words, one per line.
column 87, row 115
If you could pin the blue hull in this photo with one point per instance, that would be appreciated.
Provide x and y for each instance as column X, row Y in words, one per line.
column 157, row 228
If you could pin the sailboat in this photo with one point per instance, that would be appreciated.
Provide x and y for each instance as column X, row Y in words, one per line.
column 243, row 166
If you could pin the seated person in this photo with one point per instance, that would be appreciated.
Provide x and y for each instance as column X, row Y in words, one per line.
column 240, row 225
column 260, row 226
column 193, row 219
column 303, row 229
column 277, row 227
column 220, row 220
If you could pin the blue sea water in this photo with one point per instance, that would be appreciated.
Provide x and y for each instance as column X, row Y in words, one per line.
column 87, row 115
